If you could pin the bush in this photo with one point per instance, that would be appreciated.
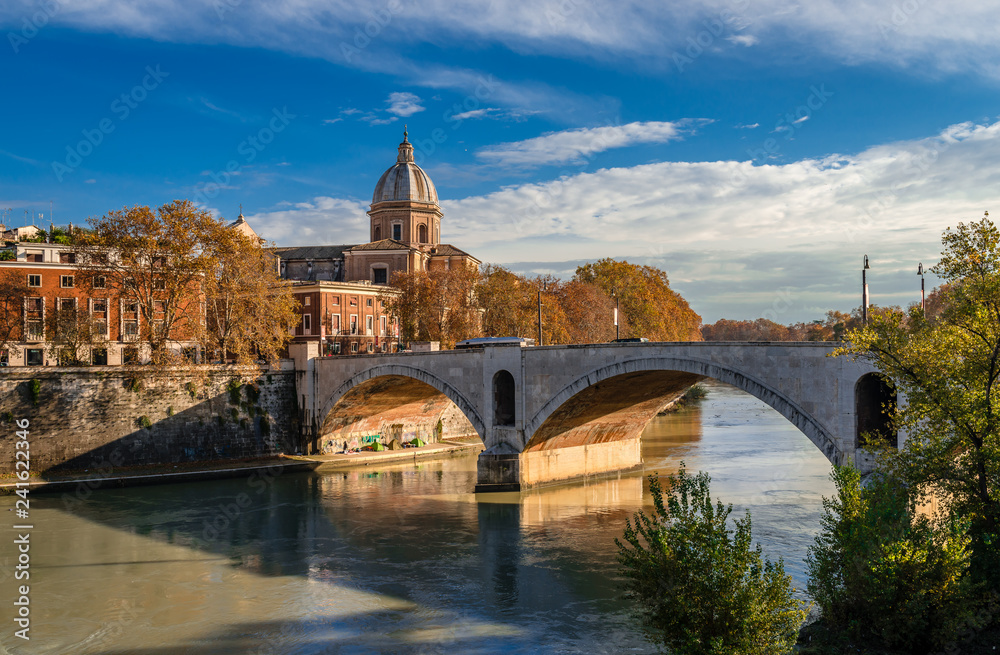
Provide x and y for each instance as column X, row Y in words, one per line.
column 885, row 577
column 699, row 587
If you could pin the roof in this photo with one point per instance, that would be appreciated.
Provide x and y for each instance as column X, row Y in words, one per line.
column 311, row 252
column 448, row 250
column 384, row 244
column 405, row 181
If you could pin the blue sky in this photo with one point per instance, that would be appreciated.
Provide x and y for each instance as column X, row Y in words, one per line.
column 754, row 149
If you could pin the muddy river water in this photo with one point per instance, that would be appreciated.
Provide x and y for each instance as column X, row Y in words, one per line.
column 392, row 559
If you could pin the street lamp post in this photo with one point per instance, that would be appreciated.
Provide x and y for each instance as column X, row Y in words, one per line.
column 545, row 286
column 614, row 292
column 864, row 292
column 920, row 272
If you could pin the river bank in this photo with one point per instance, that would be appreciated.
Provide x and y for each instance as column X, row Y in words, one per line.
column 104, row 478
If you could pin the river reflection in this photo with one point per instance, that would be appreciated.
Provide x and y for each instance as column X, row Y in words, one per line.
column 399, row 559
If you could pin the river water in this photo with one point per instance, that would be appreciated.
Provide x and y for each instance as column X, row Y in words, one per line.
column 400, row 558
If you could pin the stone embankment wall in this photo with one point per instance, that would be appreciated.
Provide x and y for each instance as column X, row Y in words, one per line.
column 96, row 417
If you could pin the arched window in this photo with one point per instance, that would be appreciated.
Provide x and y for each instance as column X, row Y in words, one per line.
column 422, row 234
column 503, row 398
column 377, row 234
column 874, row 407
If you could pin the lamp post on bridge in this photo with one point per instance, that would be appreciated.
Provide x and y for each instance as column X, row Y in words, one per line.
column 864, row 292
column 614, row 293
column 545, row 287
column 920, row 272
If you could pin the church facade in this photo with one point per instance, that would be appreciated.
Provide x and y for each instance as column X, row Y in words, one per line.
column 338, row 286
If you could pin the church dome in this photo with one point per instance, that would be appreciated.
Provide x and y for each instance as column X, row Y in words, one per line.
column 405, row 181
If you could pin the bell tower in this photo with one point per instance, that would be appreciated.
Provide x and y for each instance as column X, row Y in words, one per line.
column 405, row 203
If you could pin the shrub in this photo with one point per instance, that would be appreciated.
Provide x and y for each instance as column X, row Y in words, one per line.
column 35, row 390
column 233, row 387
column 192, row 389
column 884, row 576
column 144, row 422
column 699, row 587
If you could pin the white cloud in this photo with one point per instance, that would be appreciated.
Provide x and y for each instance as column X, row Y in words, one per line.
column 751, row 126
column 404, row 104
column 738, row 240
column 743, row 39
column 331, row 121
column 576, row 146
column 954, row 37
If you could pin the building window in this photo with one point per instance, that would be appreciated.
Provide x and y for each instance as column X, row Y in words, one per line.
column 422, row 234
column 159, row 283
column 381, row 326
column 34, row 280
column 377, row 235
column 369, row 322
column 4, row 358
column 99, row 312
column 67, row 304
column 34, row 319
column 354, row 347
column 335, row 324
column 397, row 232
column 130, row 355
column 306, row 323
column 379, row 275
column 385, row 346
column 100, row 282
column 67, row 258
column 34, row 357
column 130, row 321
column 35, row 257
column 100, row 356
column 335, row 348
column 306, row 301
column 369, row 302
column 66, row 281
column 354, row 323
column 335, row 301
column 159, row 262
column 354, row 301
column 371, row 347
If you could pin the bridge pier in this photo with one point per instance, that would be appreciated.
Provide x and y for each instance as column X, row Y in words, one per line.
column 503, row 471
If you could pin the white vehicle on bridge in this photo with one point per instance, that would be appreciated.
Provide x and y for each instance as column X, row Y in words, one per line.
column 494, row 341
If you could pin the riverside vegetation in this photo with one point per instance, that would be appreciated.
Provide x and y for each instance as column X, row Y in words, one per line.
column 889, row 575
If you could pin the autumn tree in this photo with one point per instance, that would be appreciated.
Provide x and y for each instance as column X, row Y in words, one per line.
column 13, row 290
column 73, row 332
column 948, row 368
column 437, row 305
column 248, row 307
column 158, row 260
column 508, row 303
column 651, row 308
column 589, row 313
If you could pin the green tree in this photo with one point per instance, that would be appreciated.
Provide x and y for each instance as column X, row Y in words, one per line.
column 947, row 366
column 699, row 587
column 884, row 575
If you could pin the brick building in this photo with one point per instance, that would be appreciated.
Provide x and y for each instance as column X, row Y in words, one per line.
column 405, row 230
column 55, row 282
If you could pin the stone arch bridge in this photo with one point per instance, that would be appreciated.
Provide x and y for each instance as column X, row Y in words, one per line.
column 559, row 412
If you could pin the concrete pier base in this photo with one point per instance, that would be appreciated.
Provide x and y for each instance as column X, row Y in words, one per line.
column 520, row 471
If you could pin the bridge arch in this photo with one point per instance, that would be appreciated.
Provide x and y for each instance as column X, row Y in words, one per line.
column 818, row 434
column 413, row 373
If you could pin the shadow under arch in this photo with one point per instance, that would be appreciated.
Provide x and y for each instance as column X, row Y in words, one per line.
column 874, row 406
column 648, row 383
column 367, row 380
